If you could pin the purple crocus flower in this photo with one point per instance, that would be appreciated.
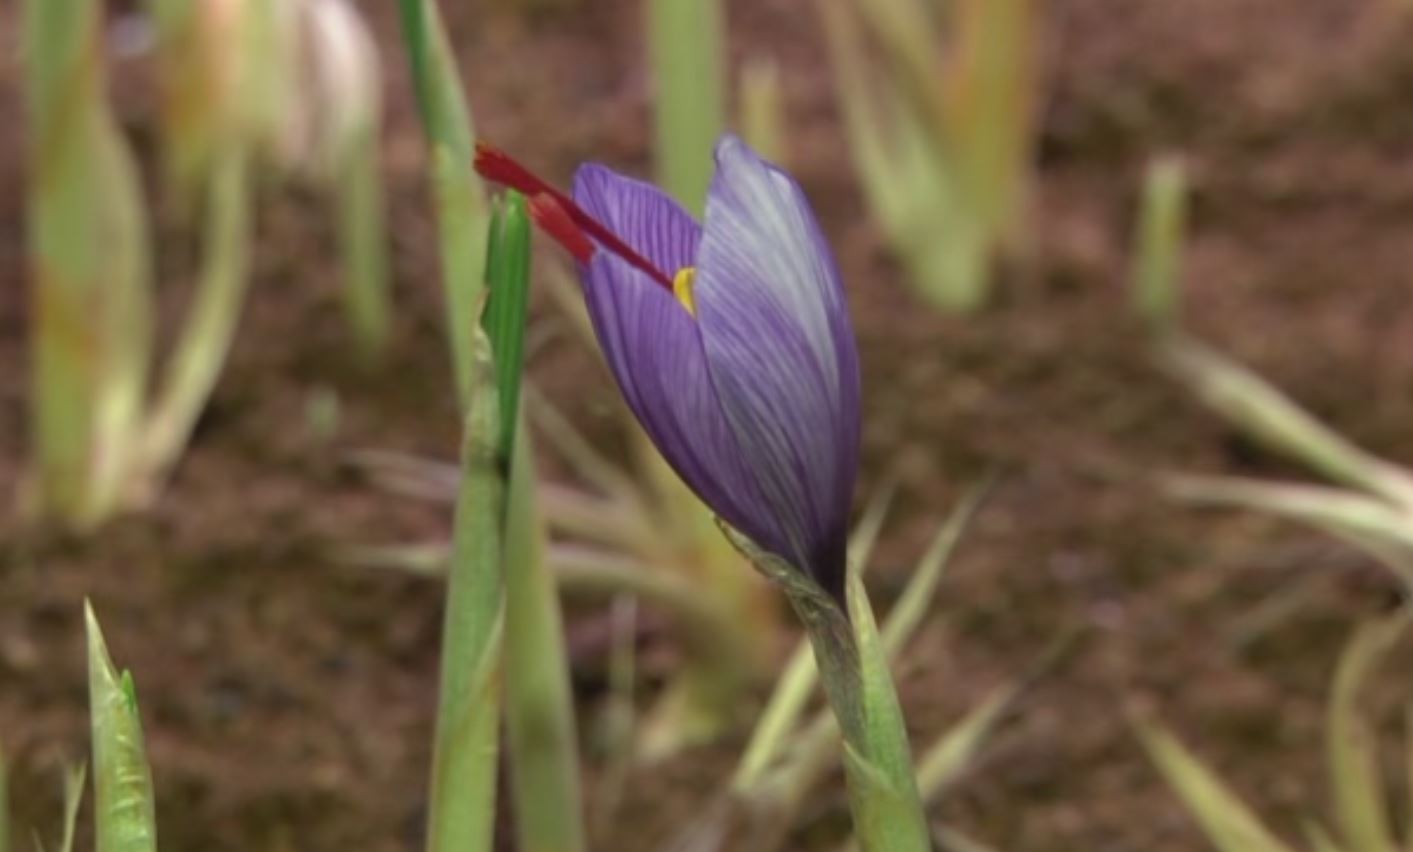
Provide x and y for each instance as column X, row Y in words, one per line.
column 730, row 340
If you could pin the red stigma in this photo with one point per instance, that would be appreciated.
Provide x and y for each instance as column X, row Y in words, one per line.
column 569, row 218
column 552, row 218
column 494, row 164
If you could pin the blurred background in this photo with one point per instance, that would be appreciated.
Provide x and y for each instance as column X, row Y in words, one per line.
column 288, row 679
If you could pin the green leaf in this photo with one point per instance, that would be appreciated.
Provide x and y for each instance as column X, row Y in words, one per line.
column 1368, row 522
column 363, row 240
column 1272, row 418
column 208, row 330
column 916, row 599
column 508, row 283
column 122, row 781
column 538, row 695
column 888, row 812
column 1320, row 839
column 539, row 698
column 463, row 215
column 762, row 108
column 1162, row 226
column 461, row 813
column 1360, row 797
column 73, row 798
column 954, row 751
column 687, row 58
column 87, row 246
column 1224, row 818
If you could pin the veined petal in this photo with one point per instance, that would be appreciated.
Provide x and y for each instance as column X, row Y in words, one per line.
column 775, row 327
column 654, row 347
column 643, row 216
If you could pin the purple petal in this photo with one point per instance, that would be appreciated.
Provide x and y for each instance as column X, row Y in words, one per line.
column 643, row 216
column 775, row 326
column 654, row 347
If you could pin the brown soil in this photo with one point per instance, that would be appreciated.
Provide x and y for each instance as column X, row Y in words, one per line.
column 287, row 697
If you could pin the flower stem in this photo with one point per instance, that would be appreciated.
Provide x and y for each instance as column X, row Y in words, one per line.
column 853, row 668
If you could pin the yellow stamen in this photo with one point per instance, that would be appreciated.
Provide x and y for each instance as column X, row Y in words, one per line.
column 682, row 288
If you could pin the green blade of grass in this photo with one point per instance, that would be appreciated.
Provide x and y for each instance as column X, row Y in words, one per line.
column 762, row 108
column 917, row 597
column 868, row 117
column 1320, row 839
column 908, row 176
column 952, row 752
column 508, row 282
column 1224, row 818
column 89, row 268
column 1162, row 226
column 577, row 451
column 62, row 96
column 1360, row 796
column 337, row 43
column 613, row 730
column 269, row 45
column 73, row 798
column 196, row 47
column 1272, row 418
column 461, row 813
column 687, row 57
column 210, row 326
column 1381, row 529
column 124, row 812
column 538, row 697
column 463, row 214
column 888, row 809
column 363, row 242
column 951, row 840
column 128, row 320
column 990, row 111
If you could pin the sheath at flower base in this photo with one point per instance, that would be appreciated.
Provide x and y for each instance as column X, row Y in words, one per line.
column 730, row 341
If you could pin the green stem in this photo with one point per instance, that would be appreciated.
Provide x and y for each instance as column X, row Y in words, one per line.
column 461, row 815
column 538, row 697
column 853, row 668
column 1162, row 227
column 463, row 214
column 888, row 812
column 207, row 335
column 359, row 199
column 88, row 263
column 687, row 57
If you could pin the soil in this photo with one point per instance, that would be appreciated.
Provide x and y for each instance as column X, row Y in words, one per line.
column 287, row 696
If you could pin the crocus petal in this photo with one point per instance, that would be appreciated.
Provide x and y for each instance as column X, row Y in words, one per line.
column 774, row 323
column 654, row 347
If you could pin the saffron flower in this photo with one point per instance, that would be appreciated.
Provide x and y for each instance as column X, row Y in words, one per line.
column 730, row 341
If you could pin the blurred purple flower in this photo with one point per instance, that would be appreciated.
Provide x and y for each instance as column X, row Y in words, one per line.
column 730, row 340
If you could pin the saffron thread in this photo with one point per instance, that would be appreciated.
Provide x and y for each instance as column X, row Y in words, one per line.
column 496, row 165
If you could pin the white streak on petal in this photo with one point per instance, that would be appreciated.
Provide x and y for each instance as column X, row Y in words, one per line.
column 775, row 325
